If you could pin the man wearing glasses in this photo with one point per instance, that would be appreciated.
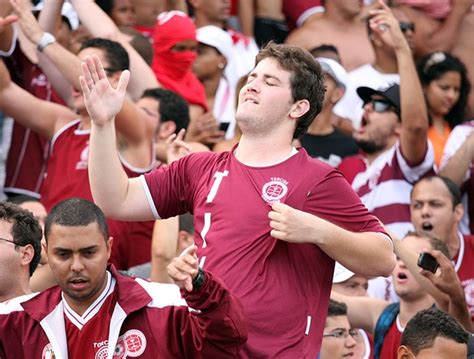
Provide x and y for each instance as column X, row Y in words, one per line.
column 339, row 340
column 20, row 250
column 392, row 136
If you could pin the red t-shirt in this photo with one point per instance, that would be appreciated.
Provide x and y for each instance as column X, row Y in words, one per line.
column 284, row 287
column 391, row 342
column 27, row 156
column 465, row 269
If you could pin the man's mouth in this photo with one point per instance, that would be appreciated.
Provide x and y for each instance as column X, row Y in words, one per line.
column 427, row 226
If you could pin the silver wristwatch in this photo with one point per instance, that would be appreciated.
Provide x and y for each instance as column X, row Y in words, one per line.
column 46, row 39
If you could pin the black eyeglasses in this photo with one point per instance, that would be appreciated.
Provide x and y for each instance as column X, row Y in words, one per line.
column 407, row 26
column 343, row 334
column 380, row 106
column 11, row 241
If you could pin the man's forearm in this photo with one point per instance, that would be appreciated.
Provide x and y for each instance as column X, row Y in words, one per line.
column 367, row 253
column 107, row 177
column 457, row 166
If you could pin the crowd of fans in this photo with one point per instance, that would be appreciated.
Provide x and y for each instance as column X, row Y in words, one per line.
column 396, row 122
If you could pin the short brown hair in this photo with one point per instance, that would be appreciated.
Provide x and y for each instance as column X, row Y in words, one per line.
column 306, row 80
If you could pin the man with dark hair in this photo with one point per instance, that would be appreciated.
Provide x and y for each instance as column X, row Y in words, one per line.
column 432, row 333
column 20, row 250
column 247, row 231
column 392, row 136
column 339, row 340
column 436, row 208
column 95, row 312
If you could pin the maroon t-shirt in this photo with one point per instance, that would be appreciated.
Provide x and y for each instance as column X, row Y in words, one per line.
column 284, row 287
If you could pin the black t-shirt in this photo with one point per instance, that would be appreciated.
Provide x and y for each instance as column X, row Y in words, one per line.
column 330, row 148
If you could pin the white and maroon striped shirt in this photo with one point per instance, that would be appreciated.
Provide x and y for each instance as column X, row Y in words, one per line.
column 384, row 186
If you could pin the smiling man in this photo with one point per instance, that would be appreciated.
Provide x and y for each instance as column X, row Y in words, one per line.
column 436, row 208
column 95, row 312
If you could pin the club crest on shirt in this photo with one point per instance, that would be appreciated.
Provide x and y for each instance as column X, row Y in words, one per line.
column 469, row 292
column 274, row 190
column 131, row 344
column 84, row 159
column 48, row 352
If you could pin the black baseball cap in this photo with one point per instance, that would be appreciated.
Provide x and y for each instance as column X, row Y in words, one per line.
column 391, row 94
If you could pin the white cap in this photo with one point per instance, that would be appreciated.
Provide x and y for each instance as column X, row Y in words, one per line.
column 335, row 70
column 341, row 273
column 67, row 11
column 214, row 36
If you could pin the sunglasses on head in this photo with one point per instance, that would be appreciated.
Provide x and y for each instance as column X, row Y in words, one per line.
column 380, row 106
column 407, row 26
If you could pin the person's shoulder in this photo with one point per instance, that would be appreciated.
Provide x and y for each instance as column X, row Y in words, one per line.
column 16, row 304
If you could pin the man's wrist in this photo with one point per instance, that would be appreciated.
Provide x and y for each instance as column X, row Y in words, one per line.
column 45, row 40
column 199, row 280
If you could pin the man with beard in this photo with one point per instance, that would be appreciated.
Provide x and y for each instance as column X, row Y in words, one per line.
column 393, row 138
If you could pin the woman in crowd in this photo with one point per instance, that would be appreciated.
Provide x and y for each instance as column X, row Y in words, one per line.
column 446, row 87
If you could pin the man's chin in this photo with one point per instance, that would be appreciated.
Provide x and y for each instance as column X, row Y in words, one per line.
column 369, row 147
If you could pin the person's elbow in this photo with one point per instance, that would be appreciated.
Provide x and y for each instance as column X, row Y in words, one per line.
column 385, row 261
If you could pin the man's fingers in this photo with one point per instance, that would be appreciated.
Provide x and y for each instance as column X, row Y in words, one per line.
column 277, row 234
column 10, row 19
column 123, row 81
column 280, row 207
column 85, row 88
column 93, row 71
column 277, row 225
column 87, row 74
column 192, row 250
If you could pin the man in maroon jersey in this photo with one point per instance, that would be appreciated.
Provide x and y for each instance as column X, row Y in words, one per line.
column 436, row 208
column 281, row 268
column 95, row 312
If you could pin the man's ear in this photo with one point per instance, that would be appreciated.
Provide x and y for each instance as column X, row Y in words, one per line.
column 109, row 242
column 166, row 129
column 404, row 353
column 27, row 254
column 459, row 212
column 299, row 108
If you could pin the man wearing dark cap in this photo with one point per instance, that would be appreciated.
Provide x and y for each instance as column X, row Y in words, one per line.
column 393, row 140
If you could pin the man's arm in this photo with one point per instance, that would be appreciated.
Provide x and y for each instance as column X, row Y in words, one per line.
column 446, row 35
column 130, row 121
column 456, row 167
column 221, row 326
column 353, row 250
column 118, row 196
column 414, row 115
column 447, row 282
column 43, row 117
column 362, row 312
column 163, row 248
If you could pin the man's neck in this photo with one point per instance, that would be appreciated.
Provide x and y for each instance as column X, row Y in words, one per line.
column 409, row 309
column 211, row 84
column 262, row 151
column 16, row 291
column 454, row 242
column 200, row 21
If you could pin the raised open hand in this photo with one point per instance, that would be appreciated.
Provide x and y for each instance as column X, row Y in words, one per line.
column 102, row 101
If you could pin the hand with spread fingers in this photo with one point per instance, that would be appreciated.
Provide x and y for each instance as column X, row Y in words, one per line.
column 7, row 20
column 184, row 269
column 102, row 101
column 28, row 23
